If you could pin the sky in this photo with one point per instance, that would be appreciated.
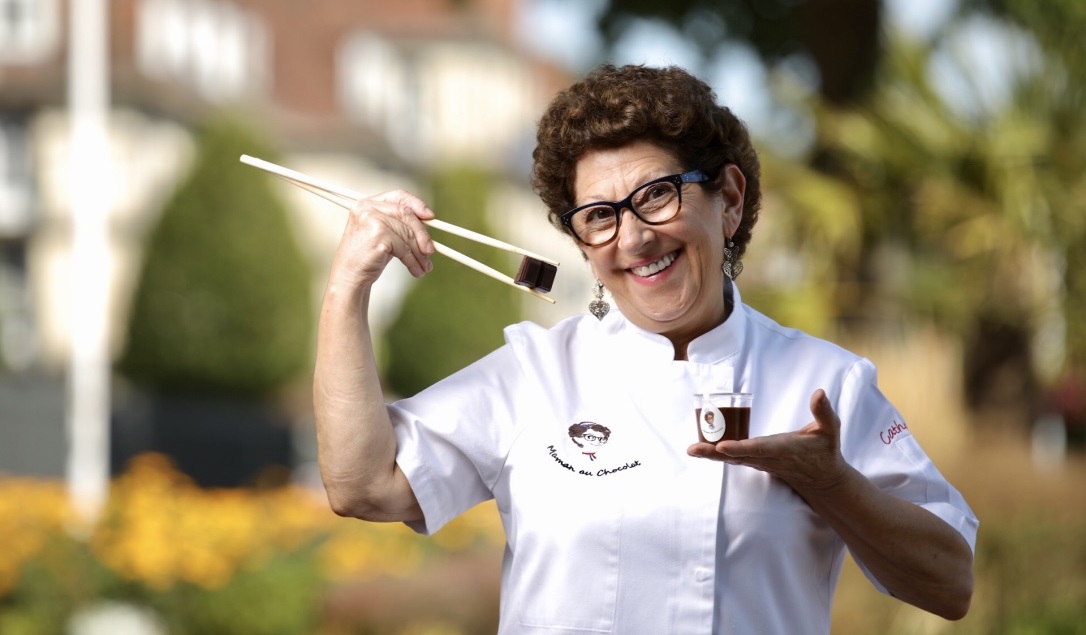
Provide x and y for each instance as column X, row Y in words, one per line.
column 565, row 32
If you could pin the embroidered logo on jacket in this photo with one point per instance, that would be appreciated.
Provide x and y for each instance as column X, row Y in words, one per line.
column 887, row 436
column 589, row 439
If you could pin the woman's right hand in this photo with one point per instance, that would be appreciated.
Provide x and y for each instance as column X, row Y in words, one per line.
column 380, row 228
column 356, row 444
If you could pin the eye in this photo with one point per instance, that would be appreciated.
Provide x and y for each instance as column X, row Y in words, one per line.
column 660, row 190
column 594, row 216
column 655, row 197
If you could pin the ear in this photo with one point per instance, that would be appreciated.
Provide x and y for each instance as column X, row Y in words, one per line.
column 733, row 190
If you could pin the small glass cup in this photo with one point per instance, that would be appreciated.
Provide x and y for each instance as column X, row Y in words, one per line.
column 723, row 416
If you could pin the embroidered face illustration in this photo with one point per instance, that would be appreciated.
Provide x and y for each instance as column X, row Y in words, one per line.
column 590, row 437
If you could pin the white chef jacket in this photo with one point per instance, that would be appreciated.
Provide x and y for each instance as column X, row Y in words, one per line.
column 632, row 535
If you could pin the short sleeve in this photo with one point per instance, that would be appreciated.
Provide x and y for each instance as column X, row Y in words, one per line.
column 452, row 438
column 876, row 440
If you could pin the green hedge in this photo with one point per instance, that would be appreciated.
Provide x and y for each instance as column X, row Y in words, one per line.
column 223, row 305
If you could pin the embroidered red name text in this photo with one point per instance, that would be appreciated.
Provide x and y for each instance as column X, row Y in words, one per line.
column 888, row 434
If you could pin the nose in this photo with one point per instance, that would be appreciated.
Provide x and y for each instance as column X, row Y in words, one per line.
column 632, row 232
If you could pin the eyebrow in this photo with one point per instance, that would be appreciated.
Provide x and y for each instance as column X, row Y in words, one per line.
column 600, row 199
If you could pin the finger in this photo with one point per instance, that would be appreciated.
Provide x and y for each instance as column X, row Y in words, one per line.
column 701, row 449
column 393, row 219
column 412, row 210
column 369, row 249
column 753, row 448
column 406, row 250
column 708, row 451
column 823, row 410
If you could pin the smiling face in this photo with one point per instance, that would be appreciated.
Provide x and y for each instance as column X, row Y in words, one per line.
column 664, row 278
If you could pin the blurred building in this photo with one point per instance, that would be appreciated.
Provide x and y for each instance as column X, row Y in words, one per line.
column 365, row 93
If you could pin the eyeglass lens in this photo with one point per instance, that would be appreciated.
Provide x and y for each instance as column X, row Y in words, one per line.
column 653, row 202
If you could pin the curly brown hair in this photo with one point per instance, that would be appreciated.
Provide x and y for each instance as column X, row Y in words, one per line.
column 615, row 106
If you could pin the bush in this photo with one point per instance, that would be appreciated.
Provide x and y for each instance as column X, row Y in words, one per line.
column 454, row 315
column 223, row 305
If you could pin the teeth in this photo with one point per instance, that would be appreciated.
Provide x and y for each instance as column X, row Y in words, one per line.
column 655, row 267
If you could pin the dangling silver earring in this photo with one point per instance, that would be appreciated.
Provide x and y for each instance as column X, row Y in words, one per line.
column 599, row 307
column 732, row 265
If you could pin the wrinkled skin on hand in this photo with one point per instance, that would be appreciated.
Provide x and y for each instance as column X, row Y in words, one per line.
column 808, row 459
column 380, row 228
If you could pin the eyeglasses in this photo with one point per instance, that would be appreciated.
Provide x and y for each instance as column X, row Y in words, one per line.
column 594, row 438
column 655, row 203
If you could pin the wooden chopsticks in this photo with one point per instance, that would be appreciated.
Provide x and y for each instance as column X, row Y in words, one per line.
column 536, row 272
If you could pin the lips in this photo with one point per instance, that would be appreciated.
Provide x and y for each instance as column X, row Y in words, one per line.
column 655, row 267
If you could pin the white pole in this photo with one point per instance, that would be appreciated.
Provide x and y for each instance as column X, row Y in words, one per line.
column 89, row 369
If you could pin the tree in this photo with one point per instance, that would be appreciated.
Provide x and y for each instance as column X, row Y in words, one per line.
column 223, row 305
column 454, row 315
column 841, row 37
column 985, row 199
column 1057, row 95
column 975, row 220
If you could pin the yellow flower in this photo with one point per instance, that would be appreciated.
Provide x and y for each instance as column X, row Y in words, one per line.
column 159, row 529
column 32, row 512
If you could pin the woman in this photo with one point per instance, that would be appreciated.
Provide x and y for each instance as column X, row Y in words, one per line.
column 658, row 185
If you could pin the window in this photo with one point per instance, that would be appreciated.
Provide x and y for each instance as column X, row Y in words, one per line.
column 18, row 336
column 18, row 339
column 14, row 178
column 378, row 87
column 28, row 30
column 216, row 47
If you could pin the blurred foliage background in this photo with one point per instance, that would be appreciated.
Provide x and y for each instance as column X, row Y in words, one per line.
column 221, row 306
column 941, row 233
column 225, row 561
column 458, row 315
column 915, row 202
column 221, row 323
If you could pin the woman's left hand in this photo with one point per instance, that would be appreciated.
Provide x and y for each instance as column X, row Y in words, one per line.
column 918, row 557
column 808, row 459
